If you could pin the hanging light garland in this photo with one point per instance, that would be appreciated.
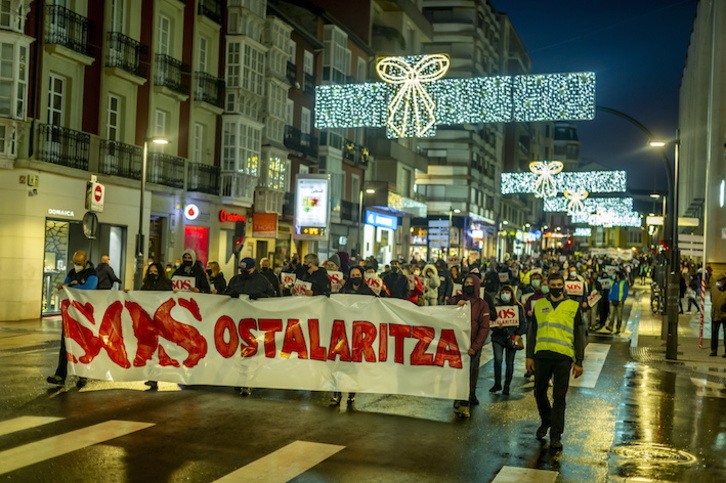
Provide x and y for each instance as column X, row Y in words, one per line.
column 575, row 199
column 544, row 185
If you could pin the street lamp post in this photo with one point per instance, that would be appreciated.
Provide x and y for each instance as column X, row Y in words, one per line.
column 139, row 275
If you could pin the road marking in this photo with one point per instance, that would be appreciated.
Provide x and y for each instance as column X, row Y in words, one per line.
column 32, row 453
column 512, row 474
column 595, row 355
column 26, row 341
column 284, row 464
column 23, row 423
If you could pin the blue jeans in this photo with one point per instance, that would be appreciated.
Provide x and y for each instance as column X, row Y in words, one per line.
column 498, row 356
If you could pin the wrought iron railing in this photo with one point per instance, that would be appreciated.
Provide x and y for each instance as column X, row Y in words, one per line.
column 69, row 29
column 126, row 53
column 211, row 9
column 203, row 178
column 301, row 142
column 309, row 86
column 169, row 73
column 120, row 159
column 291, row 73
column 62, row 146
column 165, row 169
column 209, row 89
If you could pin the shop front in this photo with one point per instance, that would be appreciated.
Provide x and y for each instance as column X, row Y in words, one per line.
column 379, row 236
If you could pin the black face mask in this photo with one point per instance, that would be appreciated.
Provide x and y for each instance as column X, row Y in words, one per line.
column 154, row 277
column 209, row 272
column 245, row 273
column 187, row 263
column 468, row 290
column 356, row 281
column 556, row 292
column 265, row 269
column 395, row 269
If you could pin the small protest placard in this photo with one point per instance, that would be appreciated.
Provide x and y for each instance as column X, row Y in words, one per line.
column 593, row 298
column 287, row 278
column 458, row 289
column 574, row 288
column 336, row 281
column 180, row 283
column 507, row 316
column 605, row 283
column 374, row 282
column 301, row 287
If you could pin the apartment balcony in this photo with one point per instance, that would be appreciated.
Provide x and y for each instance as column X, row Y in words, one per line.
column 119, row 159
column 62, row 146
column 126, row 53
column 203, row 178
column 301, row 142
column 291, row 73
column 69, row 29
column 348, row 211
column 288, row 204
column 355, row 153
column 209, row 89
column 212, row 9
column 165, row 169
column 237, row 189
column 309, row 84
column 169, row 74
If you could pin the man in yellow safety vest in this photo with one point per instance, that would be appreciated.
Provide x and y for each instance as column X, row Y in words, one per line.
column 556, row 338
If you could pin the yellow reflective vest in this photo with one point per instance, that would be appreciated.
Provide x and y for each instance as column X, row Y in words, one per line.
column 556, row 326
column 524, row 278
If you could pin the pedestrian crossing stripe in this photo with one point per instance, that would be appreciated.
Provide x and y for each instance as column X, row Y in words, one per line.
column 595, row 355
column 39, row 451
column 512, row 474
column 284, row 464
column 24, row 422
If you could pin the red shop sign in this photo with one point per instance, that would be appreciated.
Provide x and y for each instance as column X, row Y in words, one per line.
column 231, row 217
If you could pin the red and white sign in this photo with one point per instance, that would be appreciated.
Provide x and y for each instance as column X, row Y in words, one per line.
column 336, row 281
column 287, row 278
column 191, row 212
column 593, row 298
column 95, row 194
column 574, row 288
column 454, row 261
column 264, row 225
column 183, row 284
column 507, row 316
column 230, row 217
column 300, row 288
column 457, row 289
column 605, row 283
column 411, row 282
column 374, row 282
column 384, row 346
column 611, row 270
column 503, row 277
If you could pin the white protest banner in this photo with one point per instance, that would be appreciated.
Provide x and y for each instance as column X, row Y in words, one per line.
column 383, row 346
column 183, row 284
column 336, row 281
column 457, row 289
column 287, row 278
column 574, row 288
column 301, row 287
column 374, row 282
column 605, row 283
column 503, row 277
column 525, row 297
column 611, row 270
column 593, row 298
column 507, row 316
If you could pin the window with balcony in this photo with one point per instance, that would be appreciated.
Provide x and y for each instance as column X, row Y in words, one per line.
column 126, row 53
column 12, row 16
column 7, row 141
column 163, row 35
column 234, row 66
column 305, row 121
column 198, row 146
column 13, row 80
column 211, row 9
column 276, row 100
column 56, row 100
column 240, row 148
column 274, row 173
column 253, row 74
column 202, row 58
column 67, row 28
column 336, row 55
column 113, row 113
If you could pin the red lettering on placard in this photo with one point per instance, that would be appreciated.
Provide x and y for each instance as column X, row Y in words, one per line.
column 270, row 326
column 424, row 335
column 294, row 340
column 448, row 350
column 383, row 343
column 399, row 333
column 364, row 334
column 317, row 352
column 226, row 349
column 183, row 335
column 110, row 334
column 245, row 328
column 339, row 345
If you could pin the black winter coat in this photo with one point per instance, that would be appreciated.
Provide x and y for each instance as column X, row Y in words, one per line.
column 255, row 285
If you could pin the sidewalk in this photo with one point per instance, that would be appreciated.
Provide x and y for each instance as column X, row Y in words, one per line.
column 648, row 347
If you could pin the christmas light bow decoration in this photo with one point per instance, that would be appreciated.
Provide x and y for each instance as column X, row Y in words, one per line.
column 545, row 186
column 575, row 201
column 411, row 111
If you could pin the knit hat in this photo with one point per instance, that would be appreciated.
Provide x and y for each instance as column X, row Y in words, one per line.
column 191, row 253
column 247, row 263
column 334, row 258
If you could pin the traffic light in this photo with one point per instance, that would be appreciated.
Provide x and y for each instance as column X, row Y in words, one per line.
column 239, row 236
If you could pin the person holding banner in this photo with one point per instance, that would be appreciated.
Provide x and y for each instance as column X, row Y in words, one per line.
column 155, row 281
column 190, row 275
column 315, row 275
column 216, row 278
column 479, row 331
column 249, row 282
column 509, row 327
column 555, row 339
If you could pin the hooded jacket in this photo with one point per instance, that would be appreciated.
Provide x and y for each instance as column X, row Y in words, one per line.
column 479, row 314
column 500, row 335
column 363, row 289
column 196, row 271
column 432, row 282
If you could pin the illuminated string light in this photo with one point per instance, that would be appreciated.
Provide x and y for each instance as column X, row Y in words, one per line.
column 583, row 232
column 591, row 205
column 414, row 99
column 607, row 219
column 590, row 181
column 545, row 186
column 575, row 199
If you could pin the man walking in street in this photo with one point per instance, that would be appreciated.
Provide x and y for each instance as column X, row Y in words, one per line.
column 555, row 339
column 718, row 313
column 106, row 275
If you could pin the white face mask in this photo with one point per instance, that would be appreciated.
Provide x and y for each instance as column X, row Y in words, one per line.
column 79, row 268
column 506, row 297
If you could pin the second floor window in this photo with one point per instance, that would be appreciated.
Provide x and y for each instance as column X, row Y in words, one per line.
column 202, row 67
column 56, row 100
column 13, row 80
column 164, row 29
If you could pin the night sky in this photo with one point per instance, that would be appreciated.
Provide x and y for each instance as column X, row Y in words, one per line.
column 637, row 48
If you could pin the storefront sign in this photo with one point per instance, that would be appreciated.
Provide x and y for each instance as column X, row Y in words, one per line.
column 68, row 213
column 191, row 212
column 507, row 316
column 384, row 346
column 264, row 225
column 230, row 217
column 381, row 220
column 312, row 207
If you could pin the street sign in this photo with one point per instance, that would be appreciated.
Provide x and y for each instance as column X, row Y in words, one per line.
column 95, row 194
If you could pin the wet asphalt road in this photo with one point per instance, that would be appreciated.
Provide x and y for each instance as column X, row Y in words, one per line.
column 639, row 421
